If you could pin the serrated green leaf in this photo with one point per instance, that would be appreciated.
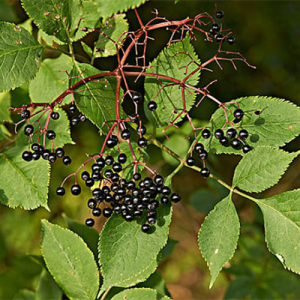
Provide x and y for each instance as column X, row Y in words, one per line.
column 170, row 98
column 97, row 102
column 51, row 81
column 24, row 295
column 218, row 236
column 19, row 56
column 261, row 168
column 5, row 102
column 47, row 288
column 113, row 28
column 87, row 49
column 31, row 180
column 282, row 227
column 60, row 126
column 269, row 128
column 108, row 8
column 138, row 294
column 70, row 262
column 127, row 255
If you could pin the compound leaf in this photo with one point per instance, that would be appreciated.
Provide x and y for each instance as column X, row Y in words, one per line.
column 218, row 236
column 23, row 184
column 19, row 56
column 261, row 168
column 265, row 125
column 127, row 255
column 172, row 62
column 282, row 227
column 70, row 262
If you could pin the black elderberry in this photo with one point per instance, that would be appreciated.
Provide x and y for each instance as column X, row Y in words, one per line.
column 52, row 157
column 215, row 27
column 231, row 133
column 108, row 198
column 236, row 144
column 137, row 176
column 36, row 156
column 148, row 181
column 205, row 172
column 46, row 154
column 75, row 189
column 75, row 120
column 115, row 177
column 135, row 120
column 203, row 155
column 107, row 212
column 205, row 133
column 67, row 160
column 101, row 162
column 117, row 209
column 130, row 185
column 243, row 134
column 235, row 121
column 97, row 193
column 152, row 105
column 114, row 187
column 92, row 203
column 191, row 161
column 25, row 114
column 108, row 173
column 96, row 168
column 145, row 228
column 151, row 206
column 146, row 192
column 136, row 97
column 129, row 218
column 219, row 38
column 96, row 212
column 110, row 143
column 72, row 108
column 54, row 115
column 220, row 14
column 50, row 134
column 85, row 175
column 136, row 192
column 28, row 130
column 231, row 40
column 60, row 191
column 60, row 152
column 238, row 114
column 117, row 167
column 121, row 191
column 151, row 220
column 166, row 191
column 96, row 176
column 247, row 148
column 125, row 134
column 175, row 198
column 82, row 118
column 89, row 222
column 122, row 158
column 142, row 142
column 142, row 184
column 199, row 147
column 145, row 199
column 159, row 188
column 219, row 134
column 159, row 180
column 164, row 200
column 137, row 213
column 109, row 160
column 41, row 149
column 89, row 182
column 141, row 130
column 35, row 147
column 106, row 190
column 224, row 141
column 152, row 213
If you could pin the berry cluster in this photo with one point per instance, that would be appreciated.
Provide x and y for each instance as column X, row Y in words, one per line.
column 128, row 198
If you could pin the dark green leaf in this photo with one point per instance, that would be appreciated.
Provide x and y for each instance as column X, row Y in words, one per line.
column 25, row 295
column 47, row 288
column 138, row 294
column 168, row 248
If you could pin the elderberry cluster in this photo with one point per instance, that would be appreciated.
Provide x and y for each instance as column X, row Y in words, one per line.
column 130, row 199
column 39, row 151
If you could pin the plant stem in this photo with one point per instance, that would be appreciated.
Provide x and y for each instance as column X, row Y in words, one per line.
column 106, row 292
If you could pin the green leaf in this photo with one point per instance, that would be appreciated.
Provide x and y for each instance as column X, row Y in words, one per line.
column 138, row 294
column 50, row 82
column 239, row 288
column 218, row 236
column 19, row 56
column 31, row 180
column 7, row 13
column 24, row 295
column 269, row 128
column 168, row 249
column 114, row 29
column 4, row 133
column 5, row 102
column 70, row 262
column 282, row 227
column 133, row 256
column 170, row 98
column 108, row 8
column 97, row 102
column 47, row 288
column 88, row 234
column 261, row 168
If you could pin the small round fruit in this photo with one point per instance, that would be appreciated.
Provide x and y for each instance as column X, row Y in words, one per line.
column 199, row 148
column 28, row 130
column 220, row 14
column 203, row 155
column 175, row 198
column 35, row 147
column 107, row 212
column 191, row 161
column 137, row 176
column 117, row 167
column 219, row 134
column 36, row 156
column 236, row 144
column 224, row 141
column 215, row 27
column 25, row 114
column 152, row 106
column 145, row 228
column 50, row 134
column 92, row 203
column 164, row 200
column 110, row 143
column 205, row 172
column 72, row 108
column 136, row 97
column 82, row 118
column 85, row 175
column 142, row 142
column 75, row 189
column 151, row 220
column 89, row 222
column 219, row 38
column 247, row 148
column 96, row 212
column 46, row 154
column 109, row 160
column 122, row 158
column 67, row 160
column 243, row 134
column 27, row 156
column 125, row 134
column 89, row 182
column 60, row 152
column 231, row 133
column 231, row 40
column 238, row 114
column 141, row 130
column 60, row 191
column 205, row 133
column 75, row 121
column 54, row 115
column 159, row 180
column 52, row 157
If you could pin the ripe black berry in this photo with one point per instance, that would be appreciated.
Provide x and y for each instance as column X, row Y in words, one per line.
column 60, row 152
column 92, row 203
column 246, row 148
column 141, row 130
column 110, row 143
column 215, row 27
column 75, row 189
column 50, row 134
column 205, row 133
column 96, row 212
column 219, row 38
column 152, row 105
column 96, row 168
column 52, row 157
column 164, row 200
column 115, row 177
column 89, row 222
column 96, row 176
column 107, row 212
column 82, row 118
column 238, row 114
column 146, row 228
column 108, row 173
column 106, row 190
column 243, row 134
column 72, row 108
column 130, row 185
column 166, row 191
column 136, row 97
column 122, row 158
column 36, row 156
column 60, row 191
column 151, row 220
column 137, row 176
column 101, row 162
column 125, row 134
column 89, row 182
column 220, row 14
column 97, row 193
column 175, row 198
column 159, row 180
column 129, row 218
column 205, row 172
column 236, row 144
column 67, row 160
column 25, row 114
column 28, row 130
column 75, row 121
column 46, row 154
column 35, row 147
column 142, row 142
column 224, row 141
column 54, row 115
column 231, row 133
column 199, row 147
column 203, row 155
column 109, row 160
column 219, row 134
column 231, row 40
column 191, row 161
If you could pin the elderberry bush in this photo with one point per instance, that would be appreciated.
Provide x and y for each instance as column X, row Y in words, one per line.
column 125, row 191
